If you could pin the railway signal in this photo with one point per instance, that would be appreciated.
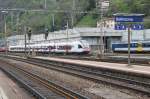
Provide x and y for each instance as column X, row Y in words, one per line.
column 46, row 33
column 29, row 32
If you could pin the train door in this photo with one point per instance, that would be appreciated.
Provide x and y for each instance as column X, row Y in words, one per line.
column 107, row 43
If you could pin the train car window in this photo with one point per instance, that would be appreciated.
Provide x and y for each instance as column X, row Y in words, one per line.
column 79, row 46
column 52, row 47
column 146, row 44
column 59, row 48
column 68, row 47
column 65, row 47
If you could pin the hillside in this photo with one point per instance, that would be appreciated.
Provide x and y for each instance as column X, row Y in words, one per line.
column 121, row 6
column 131, row 6
column 38, row 21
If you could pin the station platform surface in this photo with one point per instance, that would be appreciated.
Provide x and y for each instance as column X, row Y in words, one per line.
column 144, row 57
column 137, row 69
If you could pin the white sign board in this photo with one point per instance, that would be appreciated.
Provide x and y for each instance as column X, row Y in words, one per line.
column 105, row 5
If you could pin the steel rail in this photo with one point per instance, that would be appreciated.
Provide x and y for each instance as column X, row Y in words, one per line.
column 95, row 76
column 87, row 74
column 23, row 84
column 69, row 94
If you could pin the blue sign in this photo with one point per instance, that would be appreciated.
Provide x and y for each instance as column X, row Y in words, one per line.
column 137, row 27
column 120, row 27
column 128, row 18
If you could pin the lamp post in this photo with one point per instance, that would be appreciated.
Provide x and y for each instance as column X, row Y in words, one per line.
column 45, row 4
column 67, row 27
column 104, row 5
column 25, row 39
column 5, row 31
column 54, row 36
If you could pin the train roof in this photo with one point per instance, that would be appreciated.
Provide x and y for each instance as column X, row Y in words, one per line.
column 132, row 42
column 52, row 43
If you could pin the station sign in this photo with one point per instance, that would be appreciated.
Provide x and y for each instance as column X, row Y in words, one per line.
column 133, row 27
column 120, row 27
column 128, row 18
column 105, row 4
column 134, row 20
column 137, row 27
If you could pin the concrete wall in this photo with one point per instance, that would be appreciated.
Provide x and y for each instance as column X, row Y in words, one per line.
column 136, row 35
column 147, row 34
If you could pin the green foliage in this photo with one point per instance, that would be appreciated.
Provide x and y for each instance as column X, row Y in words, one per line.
column 88, row 21
column 131, row 6
column 119, row 6
column 38, row 21
column 147, row 23
column 1, row 35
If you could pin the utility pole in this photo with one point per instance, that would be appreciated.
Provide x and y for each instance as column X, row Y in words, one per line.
column 144, row 35
column 53, row 20
column 101, row 35
column 103, row 5
column 5, row 30
column 18, row 19
column 45, row 4
column 6, row 52
column 67, row 37
column 12, row 20
column 25, row 43
column 101, row 42
column 73, row 9
column 129, row 48
column 53, row 23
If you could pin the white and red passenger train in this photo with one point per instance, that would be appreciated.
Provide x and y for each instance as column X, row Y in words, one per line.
column 81, row 46
column 2, row 49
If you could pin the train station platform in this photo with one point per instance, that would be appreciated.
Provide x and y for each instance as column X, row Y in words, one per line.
column 137, row 57
column 136, row 69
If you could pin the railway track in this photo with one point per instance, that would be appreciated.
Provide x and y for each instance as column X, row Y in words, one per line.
column 136, row 83
column 38, row 86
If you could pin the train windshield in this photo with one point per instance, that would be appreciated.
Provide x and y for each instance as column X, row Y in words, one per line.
column 84, row 43
column 79, row 46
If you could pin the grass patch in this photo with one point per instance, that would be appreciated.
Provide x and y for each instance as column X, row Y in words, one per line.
column 87, row 21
